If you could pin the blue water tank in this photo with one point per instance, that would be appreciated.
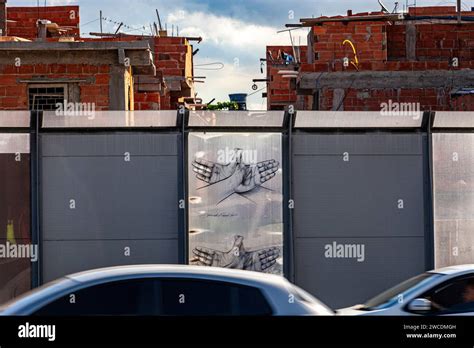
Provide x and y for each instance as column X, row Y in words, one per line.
column 240, row 99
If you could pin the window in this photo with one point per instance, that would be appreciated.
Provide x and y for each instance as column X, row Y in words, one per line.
column 131, row 297
column 391, row 296
column 200, row 298
column 169, row 297
column 45, row 97
column 454, row 296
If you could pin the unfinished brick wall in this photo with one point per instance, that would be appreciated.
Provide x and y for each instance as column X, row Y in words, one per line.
column 25, row 19
column 435, row 42
column 382, row 46
column 170, row 56
column 439, row 99
column 281, row 91
column 369, row 39
column 14, row 92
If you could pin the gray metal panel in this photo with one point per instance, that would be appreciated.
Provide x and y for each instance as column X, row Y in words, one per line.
column 454, row 119
column 359, row 197
column 14, row 119
column 110, row 119
column 358, row 119
column 356, row 201
column 66, row 257
column 114, row 199
column 109, row 144
column 453, row 181
column 14, row 143
column 345, row 282
column 357, row 144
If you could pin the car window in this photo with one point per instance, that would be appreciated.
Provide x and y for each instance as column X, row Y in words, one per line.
column 454, row 296
column 403, row 290
column 130, row 297
column 169, row 297
column 199, row 297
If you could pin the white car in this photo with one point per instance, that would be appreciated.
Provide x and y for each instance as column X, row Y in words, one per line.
column 167, row 290
column 445, row 291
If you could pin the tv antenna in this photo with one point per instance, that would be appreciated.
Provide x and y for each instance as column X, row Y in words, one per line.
column 384, row 8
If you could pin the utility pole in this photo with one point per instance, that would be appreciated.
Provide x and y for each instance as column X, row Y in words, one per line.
column 459, row 11
column 101, row 22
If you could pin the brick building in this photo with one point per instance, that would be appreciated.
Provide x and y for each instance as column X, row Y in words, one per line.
column 115, row 72
column 282, row 90
column 359, row 61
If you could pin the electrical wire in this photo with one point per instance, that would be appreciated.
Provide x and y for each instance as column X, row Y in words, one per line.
column 259, row 90
column 219, row 64
column 95, row 20
column 463, row 4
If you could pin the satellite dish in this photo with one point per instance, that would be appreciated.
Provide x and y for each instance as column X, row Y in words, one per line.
column 384, row 8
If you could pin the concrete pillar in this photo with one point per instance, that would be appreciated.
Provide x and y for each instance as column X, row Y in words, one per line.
column 3, row 17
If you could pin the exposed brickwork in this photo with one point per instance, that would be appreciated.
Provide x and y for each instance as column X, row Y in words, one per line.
column 408, row 45
column 14, row 93
column 170, row 55
column 172, row 58
column 281, row 91
column 26, row 17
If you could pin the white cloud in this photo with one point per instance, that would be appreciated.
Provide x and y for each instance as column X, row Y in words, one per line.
column 61, row 2
column 231, row 79
column 230, row 32
column 238, row 39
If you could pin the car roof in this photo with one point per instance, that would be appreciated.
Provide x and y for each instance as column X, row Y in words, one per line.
column 178, row 271
column 454, row 269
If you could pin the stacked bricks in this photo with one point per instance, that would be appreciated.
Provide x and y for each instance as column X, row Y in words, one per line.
column 170, row 60
column 372, row 99
column 281, row 91
column 382, row 46
column 170, row 55
column 25, row 19
column 329, row 50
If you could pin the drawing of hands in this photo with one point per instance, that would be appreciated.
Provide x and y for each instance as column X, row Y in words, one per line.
column 257, row 174
column 235, row 176
column 212, row 173
column 237, row 257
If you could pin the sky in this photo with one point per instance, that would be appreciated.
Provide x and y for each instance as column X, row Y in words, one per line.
column 235, row 32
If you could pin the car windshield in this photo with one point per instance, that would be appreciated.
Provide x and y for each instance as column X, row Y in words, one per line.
column 403, row 290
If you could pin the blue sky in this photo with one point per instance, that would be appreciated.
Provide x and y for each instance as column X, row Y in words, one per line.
column 235, row 32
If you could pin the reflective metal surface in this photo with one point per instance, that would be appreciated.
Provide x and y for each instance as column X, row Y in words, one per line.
column 235, row 201
column 111, row 119
column 357, row 119
column 236, row 118
column 453, row 198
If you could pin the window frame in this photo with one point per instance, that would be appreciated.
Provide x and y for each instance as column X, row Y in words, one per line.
column 440, row 286
column 49, row 300
column 64, row 86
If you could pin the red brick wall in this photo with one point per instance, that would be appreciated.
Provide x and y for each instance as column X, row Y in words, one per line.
column 329, row 52
column 281, row 91
column 382, row 47
column 439, row 99
column 25, row 19
column 170, row 61
column 14, row 95
column 435, row 42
